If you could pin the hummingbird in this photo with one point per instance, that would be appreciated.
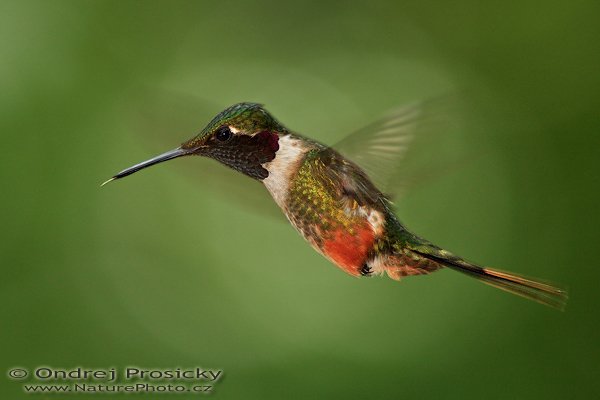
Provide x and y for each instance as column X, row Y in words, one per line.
column 329, row 197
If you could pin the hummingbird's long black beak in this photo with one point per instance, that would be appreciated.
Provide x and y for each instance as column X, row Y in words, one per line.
column 169, row 155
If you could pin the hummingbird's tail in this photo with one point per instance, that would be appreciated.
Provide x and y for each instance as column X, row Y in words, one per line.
column 529, row 288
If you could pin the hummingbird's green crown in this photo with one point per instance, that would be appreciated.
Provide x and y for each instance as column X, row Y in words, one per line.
column 248, row 118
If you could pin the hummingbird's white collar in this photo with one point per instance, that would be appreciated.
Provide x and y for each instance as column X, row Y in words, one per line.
column 284, row 166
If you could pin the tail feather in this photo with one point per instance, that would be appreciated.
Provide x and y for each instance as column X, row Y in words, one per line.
column 529, row 288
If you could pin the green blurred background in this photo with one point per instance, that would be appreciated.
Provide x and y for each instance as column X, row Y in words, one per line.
column 160, row 271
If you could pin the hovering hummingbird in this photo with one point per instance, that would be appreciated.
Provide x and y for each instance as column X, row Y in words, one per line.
column 332, row 201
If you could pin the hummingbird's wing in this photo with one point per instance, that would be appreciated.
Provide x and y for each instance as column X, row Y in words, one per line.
column 349, row 182
column 405, row 147
column 378, row 148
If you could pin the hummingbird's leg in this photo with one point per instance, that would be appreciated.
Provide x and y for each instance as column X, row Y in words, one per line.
column 365, row 270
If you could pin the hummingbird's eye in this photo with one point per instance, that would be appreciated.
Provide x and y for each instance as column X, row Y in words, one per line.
column 223, row 134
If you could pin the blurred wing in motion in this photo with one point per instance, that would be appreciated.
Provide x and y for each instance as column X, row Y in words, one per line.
column 406, row 147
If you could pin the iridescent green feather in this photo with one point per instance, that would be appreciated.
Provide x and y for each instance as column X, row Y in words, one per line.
column 248, row 117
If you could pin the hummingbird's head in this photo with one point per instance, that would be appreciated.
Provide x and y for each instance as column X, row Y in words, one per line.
column 243, row 137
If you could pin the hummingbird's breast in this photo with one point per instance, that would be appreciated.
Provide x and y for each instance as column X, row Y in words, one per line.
column 337, row 226
column 340, row 229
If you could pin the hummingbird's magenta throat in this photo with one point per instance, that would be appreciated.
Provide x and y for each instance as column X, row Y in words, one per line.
column 270, row 140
